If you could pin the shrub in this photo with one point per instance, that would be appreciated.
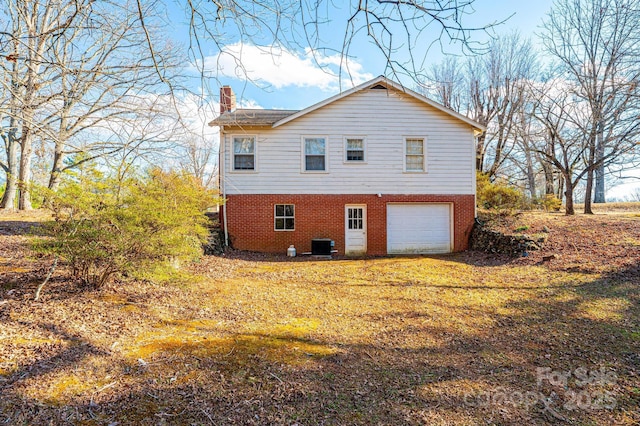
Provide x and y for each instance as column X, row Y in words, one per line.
column 497, row 195
column 104, row 227
column 551, row 203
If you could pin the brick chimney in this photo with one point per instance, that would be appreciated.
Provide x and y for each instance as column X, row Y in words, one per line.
column 227, row 99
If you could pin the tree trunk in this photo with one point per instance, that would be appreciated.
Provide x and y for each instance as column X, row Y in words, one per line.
column 11, row 141
column 531, row 176
column 35, row 48
column 599, row 193
column 9, row 197
column 599, row 185
column 56, row 169
column 24, row 202
column 548, row 169
column 569, row 210
column 588, row 192
column 561, row 187
column 497, row 156
column 480, row 151
column 549, row 187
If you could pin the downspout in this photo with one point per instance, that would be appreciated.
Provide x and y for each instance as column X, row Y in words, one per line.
column 223, row 186
column 474, row 174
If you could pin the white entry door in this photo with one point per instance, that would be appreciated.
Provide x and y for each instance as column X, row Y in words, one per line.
column 355, row 227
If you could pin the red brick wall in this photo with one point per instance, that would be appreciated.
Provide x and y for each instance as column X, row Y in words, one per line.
column 251, row 227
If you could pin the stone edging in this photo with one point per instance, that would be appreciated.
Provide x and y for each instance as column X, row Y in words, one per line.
column 491, row 241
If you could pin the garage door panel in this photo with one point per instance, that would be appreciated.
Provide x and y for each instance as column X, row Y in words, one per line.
column 418, row 228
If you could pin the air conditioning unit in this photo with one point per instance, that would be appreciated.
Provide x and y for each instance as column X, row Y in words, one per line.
column 321, row 246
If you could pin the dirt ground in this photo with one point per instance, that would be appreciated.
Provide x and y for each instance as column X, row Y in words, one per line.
column 606, row 241
column 254, row 339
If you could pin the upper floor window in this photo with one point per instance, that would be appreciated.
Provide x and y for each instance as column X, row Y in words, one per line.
column 244, row 153
column 315, row 154
column 354, row 148
column 414, row 154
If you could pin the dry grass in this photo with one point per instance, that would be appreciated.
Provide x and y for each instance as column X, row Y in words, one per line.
column 612, row 208
column 261, row 339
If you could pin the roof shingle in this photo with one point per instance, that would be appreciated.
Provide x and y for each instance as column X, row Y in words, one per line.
column 251, row 117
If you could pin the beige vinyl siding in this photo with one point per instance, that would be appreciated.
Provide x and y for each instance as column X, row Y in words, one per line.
column 385, row 119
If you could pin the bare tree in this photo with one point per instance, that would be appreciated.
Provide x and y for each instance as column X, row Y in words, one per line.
column 402, row 30
column 446, row 83
column 9, row 133
column 491, row 89
column 597, row 44
column 497, row 83
column 524, row 157
column 110, row 80
column 563, row 144
column 33, row 25
column 79, row 73
column 199, row 154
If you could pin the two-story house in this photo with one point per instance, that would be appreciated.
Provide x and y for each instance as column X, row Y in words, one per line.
column 378, row 169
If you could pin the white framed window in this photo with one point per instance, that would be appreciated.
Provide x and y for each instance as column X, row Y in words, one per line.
column 284, row 217
column 244, row 153
column 354, row 149
column 414, row 154
column 314, row 150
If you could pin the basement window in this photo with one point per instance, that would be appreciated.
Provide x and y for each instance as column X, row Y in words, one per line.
column 284, row 217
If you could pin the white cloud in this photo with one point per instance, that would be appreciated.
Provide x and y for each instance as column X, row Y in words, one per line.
column 280, row 68
column 250, row 104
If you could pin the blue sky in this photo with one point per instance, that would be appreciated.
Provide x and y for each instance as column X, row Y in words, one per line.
column 291, row 79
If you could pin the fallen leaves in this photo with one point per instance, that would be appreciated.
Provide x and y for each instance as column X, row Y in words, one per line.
column 263, row 339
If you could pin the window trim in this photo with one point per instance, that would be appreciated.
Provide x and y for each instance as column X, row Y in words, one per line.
column 255, row 154
column 303, row 154
column 424, row 154
column 275, row 217
column 365, row 155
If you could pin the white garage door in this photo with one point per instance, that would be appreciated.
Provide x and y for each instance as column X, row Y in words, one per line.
column 418, row 228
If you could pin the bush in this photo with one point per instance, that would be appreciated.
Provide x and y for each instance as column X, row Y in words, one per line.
column 496, row 195
column 106, row 227
column 551, row 203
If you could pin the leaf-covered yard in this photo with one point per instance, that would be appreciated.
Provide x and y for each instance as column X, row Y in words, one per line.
column 256, row 339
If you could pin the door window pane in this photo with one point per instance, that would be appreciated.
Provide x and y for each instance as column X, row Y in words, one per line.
column 356, row 219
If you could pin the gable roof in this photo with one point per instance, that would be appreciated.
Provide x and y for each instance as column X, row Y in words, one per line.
column 277, row 118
